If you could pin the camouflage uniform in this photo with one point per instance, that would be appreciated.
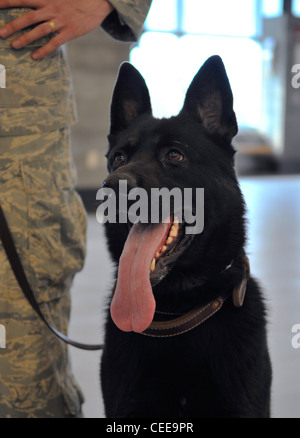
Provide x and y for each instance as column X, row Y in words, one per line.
column 46, row 218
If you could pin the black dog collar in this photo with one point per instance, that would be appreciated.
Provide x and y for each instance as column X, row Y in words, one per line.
column 192, row 319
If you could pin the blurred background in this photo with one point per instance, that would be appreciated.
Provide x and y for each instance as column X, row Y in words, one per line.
column 259, row 42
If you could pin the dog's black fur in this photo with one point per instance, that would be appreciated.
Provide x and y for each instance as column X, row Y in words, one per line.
column 222, row 367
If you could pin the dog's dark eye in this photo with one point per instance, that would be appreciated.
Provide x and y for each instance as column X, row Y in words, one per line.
column 119, row 159
column 174, row 155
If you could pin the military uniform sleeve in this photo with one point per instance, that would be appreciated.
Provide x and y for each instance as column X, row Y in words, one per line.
column 126, row 21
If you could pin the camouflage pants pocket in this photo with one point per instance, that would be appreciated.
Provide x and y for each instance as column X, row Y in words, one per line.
column 44, row 212
column 56, row 228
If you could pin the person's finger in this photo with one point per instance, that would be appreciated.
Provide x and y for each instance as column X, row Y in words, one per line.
column 21, row 3
column 35, row 34
column 22, row 22
column 52, row 45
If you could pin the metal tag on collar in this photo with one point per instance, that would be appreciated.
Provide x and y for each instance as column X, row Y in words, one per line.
column 239, row 291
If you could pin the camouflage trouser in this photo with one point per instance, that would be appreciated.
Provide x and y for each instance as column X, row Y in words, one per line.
column 47, row 220
column 48, row 223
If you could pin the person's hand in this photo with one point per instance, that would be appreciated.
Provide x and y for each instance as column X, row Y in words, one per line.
column 69, row 19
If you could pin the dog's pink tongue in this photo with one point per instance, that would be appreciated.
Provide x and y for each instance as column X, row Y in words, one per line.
column 133, row 304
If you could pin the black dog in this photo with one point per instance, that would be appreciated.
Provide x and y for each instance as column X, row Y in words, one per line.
column 205, row 354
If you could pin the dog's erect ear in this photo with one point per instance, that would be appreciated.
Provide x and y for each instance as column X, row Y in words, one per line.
column 209, row 99
column 130, row 98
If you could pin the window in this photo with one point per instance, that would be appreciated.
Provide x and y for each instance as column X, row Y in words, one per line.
column 219, row 17
column 162, row 16
column 181, row 34
column 296, row 8
column 272, row 8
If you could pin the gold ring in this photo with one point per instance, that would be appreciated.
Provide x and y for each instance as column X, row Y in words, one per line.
column 52, row 25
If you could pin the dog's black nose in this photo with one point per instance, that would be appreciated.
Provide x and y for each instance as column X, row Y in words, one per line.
column 112, row 182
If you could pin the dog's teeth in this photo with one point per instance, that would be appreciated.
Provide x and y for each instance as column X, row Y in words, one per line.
column 164, row 248
column 169, row 240
column 157, row 255
column 173, row 231
column 152, row 266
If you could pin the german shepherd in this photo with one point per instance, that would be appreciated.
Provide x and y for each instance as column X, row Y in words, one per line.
column 186, row 328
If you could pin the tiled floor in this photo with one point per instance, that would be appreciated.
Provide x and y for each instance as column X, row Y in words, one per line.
column 274, row 251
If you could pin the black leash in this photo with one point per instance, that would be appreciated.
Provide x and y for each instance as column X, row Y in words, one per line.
column 16, row 265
